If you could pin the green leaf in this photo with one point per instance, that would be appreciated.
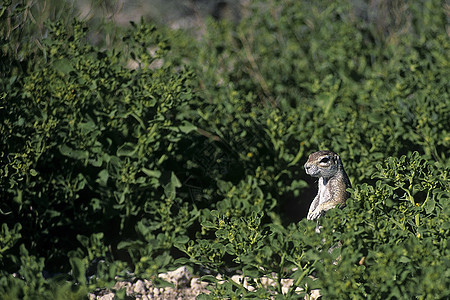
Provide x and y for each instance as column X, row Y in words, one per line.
column 209, row 278
column 182, row 260
column 95, row 204
column 182, row 239
column 127, row 149
column 161, row 283
column 404, row 259
column 187, row 127
column 204, row 297
column 208, row 224
column 129, row 244
column 77, row 154
column 78, row 270
column 170, row 188
column 151, row 173
column 175, row 181
column 63, row 65
column 103, row 176
column 84, row 240
column 430, row 205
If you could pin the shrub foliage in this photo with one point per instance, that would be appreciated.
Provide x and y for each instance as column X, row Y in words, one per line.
column 161, row 150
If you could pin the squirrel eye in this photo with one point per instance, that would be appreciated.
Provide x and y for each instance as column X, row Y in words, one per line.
column 325, row 160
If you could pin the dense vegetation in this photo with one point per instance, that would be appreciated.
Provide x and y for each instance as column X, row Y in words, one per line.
column 155, row 149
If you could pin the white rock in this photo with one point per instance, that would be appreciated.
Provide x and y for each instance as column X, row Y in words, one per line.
column 180, row 277
column 315, row 294
column 266, row 282
column 109, row 296
column 237, row 278
column 121, row 284
column 139, row 287
column 148, row 284
column 198, row 286
column 286, row 285
column 220, row 278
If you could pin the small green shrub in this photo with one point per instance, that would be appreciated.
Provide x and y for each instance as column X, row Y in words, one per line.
column 390, row 241
column 87, row 145
column 366, row 90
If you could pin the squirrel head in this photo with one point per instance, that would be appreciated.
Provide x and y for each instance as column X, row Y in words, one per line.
column 323, row 164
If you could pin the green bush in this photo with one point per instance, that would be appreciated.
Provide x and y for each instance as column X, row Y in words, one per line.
column 390, row 241
column 394, row 234
column 87, row 145
column 365, row 90
column 156, row 150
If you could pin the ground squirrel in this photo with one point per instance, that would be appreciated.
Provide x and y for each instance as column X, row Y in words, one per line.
column 333, row 182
